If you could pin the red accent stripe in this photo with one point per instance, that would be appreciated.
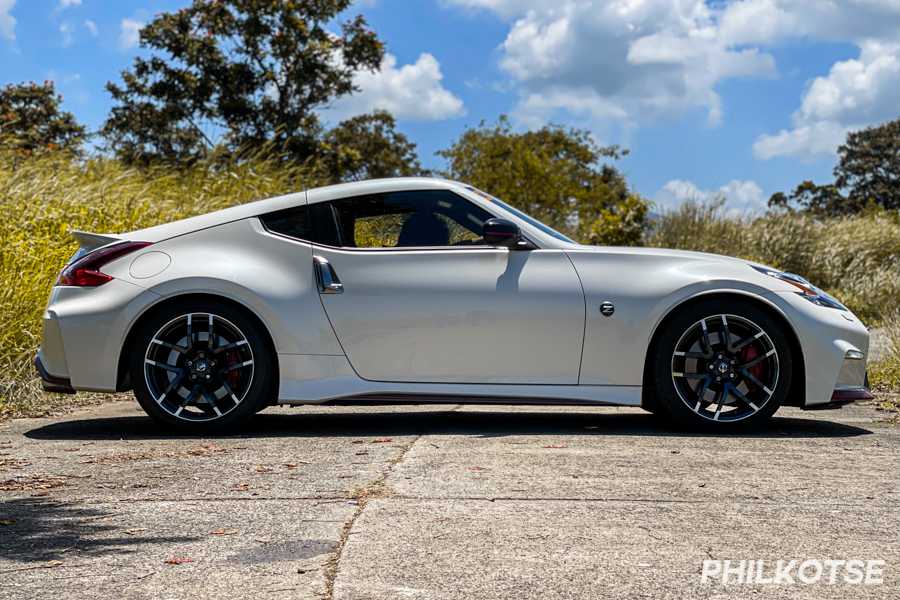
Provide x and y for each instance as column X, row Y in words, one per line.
column 852, row 394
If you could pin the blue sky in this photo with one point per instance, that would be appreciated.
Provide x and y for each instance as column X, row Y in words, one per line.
column 738, row 98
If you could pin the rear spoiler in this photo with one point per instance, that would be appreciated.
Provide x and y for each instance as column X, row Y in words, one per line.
column 91, row 241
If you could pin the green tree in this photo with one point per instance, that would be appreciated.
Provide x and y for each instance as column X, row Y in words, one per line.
column 869, row 166
column 867, row 174
column 367, row 147
column 554, row 174
column 243, row 73
column 31, row 120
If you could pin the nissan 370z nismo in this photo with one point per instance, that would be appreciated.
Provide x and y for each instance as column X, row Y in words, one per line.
column 416, row 290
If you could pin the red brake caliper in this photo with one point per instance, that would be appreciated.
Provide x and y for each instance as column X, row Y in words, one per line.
column 759, row 369
column 233, row 376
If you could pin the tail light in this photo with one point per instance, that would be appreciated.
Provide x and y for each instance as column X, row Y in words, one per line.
column 85, row 271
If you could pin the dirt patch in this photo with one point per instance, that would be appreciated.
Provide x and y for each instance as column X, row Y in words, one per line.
column 202, row 450
column 31, row 483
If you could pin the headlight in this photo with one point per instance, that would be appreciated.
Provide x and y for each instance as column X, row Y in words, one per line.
column 806, row 289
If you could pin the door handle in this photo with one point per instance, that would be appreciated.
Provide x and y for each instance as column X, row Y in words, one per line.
column 326, row 277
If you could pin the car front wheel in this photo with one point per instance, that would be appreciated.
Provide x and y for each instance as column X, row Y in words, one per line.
column 720, row 365
column 201, row 366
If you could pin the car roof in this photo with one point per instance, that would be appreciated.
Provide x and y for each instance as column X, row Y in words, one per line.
column 261, row 207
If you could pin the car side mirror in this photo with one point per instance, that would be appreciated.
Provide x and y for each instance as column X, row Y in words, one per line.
column 501, row 232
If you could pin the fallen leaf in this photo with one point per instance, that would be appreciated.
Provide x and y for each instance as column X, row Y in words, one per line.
column 7, row 521
column 135, row 530
column 477, row 469
column 382, row 441
column 290, row 465
column 178, row 560
column 555, row 446
column 223, row 532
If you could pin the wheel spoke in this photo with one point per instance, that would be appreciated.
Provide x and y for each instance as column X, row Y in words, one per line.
column 720, row 398
column 740, row 396
column 190, row 333
column 212, row 402
column 176, row 348
column 746, row 342
column 752, row 378
column 692, row 354
column 231, row 393
column 228, row 347
column 211, row 341
column 727, row 333
column 176, row 381
column 705, row 337
column 689, row 375
column 757, row 360
column 163, row 365
column 239, row 365
column 185, row 402
column 701, row 391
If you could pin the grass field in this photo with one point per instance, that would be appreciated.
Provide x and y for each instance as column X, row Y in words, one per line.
column 857, row 259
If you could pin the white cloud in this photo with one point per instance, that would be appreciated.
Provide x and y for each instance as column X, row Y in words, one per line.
column 67, row 32
column 626, row 62
column 741, row 196
column 413, row 91
column 64, row 4
column 7, row 21
column 855, row 93
column 91, row 26
column 130, row 33
column 804, row 141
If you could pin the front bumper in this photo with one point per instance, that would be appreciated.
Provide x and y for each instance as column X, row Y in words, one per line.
column 51, row 383
column 834, row 344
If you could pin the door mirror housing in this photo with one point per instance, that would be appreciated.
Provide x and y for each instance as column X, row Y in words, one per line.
column 502, row 232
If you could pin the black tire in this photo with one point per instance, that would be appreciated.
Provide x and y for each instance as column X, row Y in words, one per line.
column 236, row 362
column 691, row 377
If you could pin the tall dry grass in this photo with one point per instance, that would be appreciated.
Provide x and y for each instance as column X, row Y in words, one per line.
column 42, row 199
column 885, row 374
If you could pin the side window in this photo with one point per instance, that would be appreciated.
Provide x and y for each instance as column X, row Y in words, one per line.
column 428, row 218
column 316, row 224
column 292, row 222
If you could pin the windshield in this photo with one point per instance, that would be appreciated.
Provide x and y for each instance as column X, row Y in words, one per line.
column 527, row 218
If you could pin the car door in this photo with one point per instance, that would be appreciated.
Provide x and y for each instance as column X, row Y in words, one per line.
column 414, row 295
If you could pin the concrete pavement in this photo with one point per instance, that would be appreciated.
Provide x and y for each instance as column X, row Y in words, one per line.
column 439, row 501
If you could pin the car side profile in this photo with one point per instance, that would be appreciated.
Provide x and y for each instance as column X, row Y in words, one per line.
column 420, row 289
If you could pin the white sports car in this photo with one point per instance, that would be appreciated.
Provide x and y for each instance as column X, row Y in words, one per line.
column 416, row 290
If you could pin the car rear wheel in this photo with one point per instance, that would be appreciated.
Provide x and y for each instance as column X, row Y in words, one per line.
column 721, row 365
column 201, row 366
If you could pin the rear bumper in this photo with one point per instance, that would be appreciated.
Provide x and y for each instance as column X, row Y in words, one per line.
column 51, row 383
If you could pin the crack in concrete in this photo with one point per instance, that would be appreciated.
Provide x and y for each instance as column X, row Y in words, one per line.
column 375, row 489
